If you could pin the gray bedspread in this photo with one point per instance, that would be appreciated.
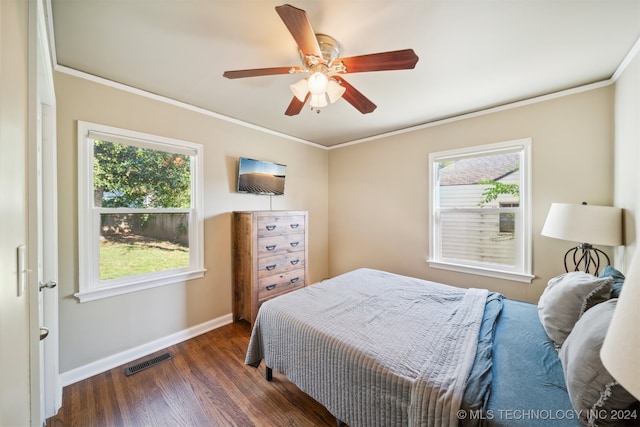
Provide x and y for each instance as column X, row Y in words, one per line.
column 375, row 348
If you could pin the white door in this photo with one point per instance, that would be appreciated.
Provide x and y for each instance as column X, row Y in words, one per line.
column 14, row 305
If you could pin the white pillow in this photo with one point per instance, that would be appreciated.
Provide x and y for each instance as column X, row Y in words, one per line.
column 566, row 297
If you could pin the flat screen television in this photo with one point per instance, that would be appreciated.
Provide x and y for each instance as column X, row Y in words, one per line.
column 260, row 177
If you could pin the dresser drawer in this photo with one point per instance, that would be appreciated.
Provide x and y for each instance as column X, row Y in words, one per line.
column 280, row 224
column 278, row 264
column 269, row 287
column 278, row 245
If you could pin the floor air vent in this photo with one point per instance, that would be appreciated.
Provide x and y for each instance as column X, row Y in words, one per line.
column 147, row 364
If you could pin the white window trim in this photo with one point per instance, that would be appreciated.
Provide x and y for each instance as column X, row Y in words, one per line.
column 522, row 271
column 90, row 287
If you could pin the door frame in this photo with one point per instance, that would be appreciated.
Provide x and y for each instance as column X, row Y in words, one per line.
column 45, row 384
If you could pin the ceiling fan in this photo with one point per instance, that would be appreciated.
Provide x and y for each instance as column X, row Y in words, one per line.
column 321, row 60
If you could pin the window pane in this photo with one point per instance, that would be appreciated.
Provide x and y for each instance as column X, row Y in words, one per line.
column 479, row 181
column 508, row 219
column 132, row 244
column 483, row 181
column 476, row 237
column 126, row 176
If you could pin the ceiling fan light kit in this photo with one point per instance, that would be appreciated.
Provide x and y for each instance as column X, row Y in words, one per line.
column 320, row 55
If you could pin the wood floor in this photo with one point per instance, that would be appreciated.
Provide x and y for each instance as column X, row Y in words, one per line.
column 205, row 384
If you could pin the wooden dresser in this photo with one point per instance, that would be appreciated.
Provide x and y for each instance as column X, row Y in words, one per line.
column 269, row 258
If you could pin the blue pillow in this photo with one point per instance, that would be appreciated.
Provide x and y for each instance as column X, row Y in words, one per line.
column 618, row 280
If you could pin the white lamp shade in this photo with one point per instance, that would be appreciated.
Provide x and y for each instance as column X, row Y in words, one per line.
column 335, row 91
column 596, row 225
column 620, row 351
column 318, row 83
column 318, row 101
column 300, row 89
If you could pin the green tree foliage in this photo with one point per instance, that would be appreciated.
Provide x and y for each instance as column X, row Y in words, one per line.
column 495, row 189
column 133, row 177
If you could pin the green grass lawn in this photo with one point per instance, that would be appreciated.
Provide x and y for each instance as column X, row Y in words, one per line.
column 129, row 257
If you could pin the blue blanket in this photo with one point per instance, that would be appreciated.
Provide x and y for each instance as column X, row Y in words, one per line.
column 528, row 386
column 476, row 395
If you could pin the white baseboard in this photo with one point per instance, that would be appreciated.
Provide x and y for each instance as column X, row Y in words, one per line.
column 83, row 372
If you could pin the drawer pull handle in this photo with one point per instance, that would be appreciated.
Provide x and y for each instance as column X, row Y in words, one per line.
column 294, row 225
column 294, row 280
column 271, row 247
column 295, row 261
column 294, row 244
column 271, row 287
column 270, row 227
column 270, row 267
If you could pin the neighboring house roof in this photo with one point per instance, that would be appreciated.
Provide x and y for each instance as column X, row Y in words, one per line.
column 474, row 169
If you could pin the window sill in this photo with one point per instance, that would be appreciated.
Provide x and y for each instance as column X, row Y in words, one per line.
column 480, row 271
column 139, row 285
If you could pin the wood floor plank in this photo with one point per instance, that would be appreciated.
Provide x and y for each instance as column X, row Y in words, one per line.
column 206, row 383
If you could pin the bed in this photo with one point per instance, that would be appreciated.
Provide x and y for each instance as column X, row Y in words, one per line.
column 381, row 349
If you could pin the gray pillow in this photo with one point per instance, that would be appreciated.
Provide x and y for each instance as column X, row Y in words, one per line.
column 595, row 394
column 566, row 297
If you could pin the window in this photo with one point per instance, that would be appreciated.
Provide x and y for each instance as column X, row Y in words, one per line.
column 480, row 218
column 139, row 211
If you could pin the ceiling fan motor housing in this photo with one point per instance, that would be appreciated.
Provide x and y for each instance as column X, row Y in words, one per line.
column 330, row 49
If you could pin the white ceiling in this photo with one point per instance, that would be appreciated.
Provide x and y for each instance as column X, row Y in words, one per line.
column 474, row 54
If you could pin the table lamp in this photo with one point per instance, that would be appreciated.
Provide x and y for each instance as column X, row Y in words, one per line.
column 620, row 352
column 588, row 224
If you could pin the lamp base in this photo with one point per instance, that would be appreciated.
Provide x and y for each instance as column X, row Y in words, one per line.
column 585, row 258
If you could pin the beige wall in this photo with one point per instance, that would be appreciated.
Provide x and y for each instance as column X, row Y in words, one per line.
column 627, row 158
column 99, row 329
column 378, row 204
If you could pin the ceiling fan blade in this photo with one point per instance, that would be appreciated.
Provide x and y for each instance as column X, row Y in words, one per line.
column 255, row 72
column 355, row 98
column 295, row 106
column 383, row 61
column 300, row 28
